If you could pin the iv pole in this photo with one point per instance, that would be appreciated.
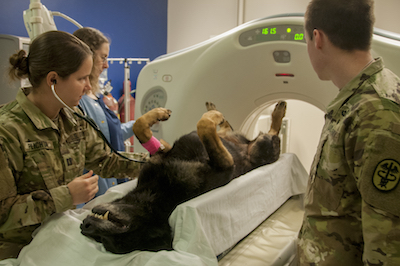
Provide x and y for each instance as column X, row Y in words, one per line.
column 127, row 92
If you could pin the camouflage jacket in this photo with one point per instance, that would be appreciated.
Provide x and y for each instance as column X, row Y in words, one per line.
column 38, row 158
column 352, row 205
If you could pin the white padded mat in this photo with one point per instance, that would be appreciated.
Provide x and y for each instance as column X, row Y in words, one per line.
column 229, row 213
column 274, row 242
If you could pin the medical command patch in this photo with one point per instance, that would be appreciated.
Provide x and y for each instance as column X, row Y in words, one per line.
column 386, row 175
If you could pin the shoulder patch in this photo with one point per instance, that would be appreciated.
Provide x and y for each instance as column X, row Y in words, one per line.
column 386, row 175
column 380, row 176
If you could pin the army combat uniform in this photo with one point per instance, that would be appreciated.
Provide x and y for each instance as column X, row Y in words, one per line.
column 38, row 158
column 352, row 205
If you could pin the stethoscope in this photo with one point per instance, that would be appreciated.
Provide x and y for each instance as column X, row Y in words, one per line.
column 93, row 124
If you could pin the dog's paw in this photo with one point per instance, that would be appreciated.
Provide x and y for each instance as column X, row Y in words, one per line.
column 158, row 114
column 277, row 116
column 210, row 106
column 280, row 110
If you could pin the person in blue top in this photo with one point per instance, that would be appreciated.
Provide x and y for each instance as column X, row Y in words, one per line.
column 92, row 102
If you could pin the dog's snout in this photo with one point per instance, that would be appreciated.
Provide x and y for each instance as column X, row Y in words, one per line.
column 87, row 226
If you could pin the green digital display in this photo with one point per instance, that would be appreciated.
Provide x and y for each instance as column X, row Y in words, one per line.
column 298, row 36
column 273, row 31
column 267, row 31
column 293, row 33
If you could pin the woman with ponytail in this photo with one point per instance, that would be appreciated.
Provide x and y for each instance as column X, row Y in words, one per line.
column 44, row 147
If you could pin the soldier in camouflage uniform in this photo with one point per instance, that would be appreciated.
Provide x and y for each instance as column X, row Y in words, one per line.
column 352, row 206
column 42, row 156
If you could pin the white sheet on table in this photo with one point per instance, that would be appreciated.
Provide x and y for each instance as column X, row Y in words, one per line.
column 229, row 213
column 204, row 226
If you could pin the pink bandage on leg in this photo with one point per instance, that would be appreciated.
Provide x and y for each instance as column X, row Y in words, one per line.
column 152, row 145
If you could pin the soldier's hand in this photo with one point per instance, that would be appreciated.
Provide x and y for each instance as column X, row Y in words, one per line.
column 84, row 188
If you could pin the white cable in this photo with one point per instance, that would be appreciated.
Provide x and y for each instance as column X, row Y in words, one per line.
column 59, row 99
column 73, row 21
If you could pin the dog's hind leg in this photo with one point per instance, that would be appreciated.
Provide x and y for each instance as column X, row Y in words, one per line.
column 207, row 131
column 142, row 126
column 277, row 116
column 224, row 127
column 265, row 148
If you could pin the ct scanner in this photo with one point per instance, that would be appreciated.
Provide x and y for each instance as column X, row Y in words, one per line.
column 242, row 71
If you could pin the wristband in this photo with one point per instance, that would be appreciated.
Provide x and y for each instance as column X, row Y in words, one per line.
column 152, row 145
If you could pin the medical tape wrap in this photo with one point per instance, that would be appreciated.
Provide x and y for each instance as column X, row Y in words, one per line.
column 152, row 145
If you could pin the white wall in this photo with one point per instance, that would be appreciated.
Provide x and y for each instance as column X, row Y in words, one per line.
column 263, row 8
column 191, row 22
column 387, row 15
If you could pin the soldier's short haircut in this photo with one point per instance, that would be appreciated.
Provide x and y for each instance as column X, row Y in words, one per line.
column 347, row 23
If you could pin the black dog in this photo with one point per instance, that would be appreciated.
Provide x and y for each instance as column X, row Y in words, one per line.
column 198, row 162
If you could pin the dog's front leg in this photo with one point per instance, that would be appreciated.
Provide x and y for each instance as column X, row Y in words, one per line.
column 142, row 126
column 207, row 131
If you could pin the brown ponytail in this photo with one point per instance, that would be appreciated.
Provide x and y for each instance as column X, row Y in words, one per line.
column 19, row 65
column 51, row 51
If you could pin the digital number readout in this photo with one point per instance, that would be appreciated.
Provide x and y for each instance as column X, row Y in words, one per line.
column 283, row 33
column 267, row 31
column 293, row 33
